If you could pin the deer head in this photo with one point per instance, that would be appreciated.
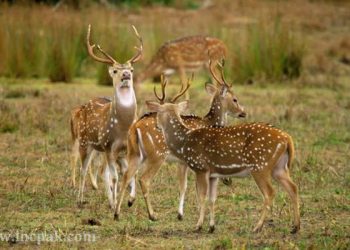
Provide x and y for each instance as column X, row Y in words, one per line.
column 166, row 110
column 122, row 74
column 223, row 93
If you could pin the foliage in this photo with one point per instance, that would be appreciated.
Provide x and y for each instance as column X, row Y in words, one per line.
column 56, row 48
column 271, row 52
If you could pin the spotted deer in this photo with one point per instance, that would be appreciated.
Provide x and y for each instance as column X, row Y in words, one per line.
column 255, row 149
column 187, row 54
column 146, row 143
column 102, row 124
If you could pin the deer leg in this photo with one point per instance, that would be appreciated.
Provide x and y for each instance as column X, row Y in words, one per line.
column 93, row 176
column 282, row 176
column 108, row 184
column 74, row 159
column 183, row 80
column 114, row 175
column 85, row 154
column 182, row 175
column 150, row 169
column 213, row 184
column 127, row 177
column 96, row 164
column 264, row 184
column 124, row 166
column 202, row 185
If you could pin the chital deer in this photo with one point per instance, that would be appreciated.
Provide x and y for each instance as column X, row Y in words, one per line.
column 187, row 54
column 102, row 124
column 214, row 152
column 146, row 143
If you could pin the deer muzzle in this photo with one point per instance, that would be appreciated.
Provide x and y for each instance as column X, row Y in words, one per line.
column 242, row 114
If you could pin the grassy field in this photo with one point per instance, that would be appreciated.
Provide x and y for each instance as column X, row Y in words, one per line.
column 36, row 194
column 291, row 63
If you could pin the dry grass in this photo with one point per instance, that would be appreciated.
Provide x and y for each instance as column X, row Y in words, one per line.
column 36, row 196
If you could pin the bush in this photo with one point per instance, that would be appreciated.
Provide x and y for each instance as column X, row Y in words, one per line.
column 56, row 48
column 267, row 53
column 66, row 53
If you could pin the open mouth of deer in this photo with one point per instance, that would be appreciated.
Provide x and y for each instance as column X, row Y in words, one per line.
column 125, row 82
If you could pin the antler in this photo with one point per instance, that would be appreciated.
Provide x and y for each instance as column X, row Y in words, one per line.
column 163, row 83
column 223, row 73
column 221, row 81
column 90, row 49
column 183, row 89
column 213, row 73
column 138, row 55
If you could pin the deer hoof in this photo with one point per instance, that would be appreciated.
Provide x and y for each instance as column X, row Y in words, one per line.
column 257, row 229
column 295, row 229
column 152, row 217
column 130, row 203
column 270, row 223
column 212, row 229
column 116, row 217
column 180, row 216
column 198, row 229
column 81, row 204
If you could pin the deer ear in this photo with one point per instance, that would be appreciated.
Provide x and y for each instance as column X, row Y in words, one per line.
column 210, row 88
column 183, row 106
column 153, row 106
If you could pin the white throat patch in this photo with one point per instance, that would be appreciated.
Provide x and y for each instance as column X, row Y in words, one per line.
column 126, row 96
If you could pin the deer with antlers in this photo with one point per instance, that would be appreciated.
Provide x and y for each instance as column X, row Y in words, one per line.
column 146, row 143
column 186, row 54
column 256, row 149
column 102, row 124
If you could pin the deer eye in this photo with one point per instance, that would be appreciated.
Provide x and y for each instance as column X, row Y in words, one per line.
column 115, row 71
column 234, row 100
column 132, row 70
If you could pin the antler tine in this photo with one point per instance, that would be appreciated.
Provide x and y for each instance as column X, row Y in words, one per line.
column 163, row 84
column 138, row 56
column 90, row 49
column 223, row 73
column 183, row 89
column 213, row 73
column 106, row 55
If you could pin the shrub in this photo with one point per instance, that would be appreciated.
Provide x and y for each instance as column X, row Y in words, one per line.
column 67, row 51
column 267, row 53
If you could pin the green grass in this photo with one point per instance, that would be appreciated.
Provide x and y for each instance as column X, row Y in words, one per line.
column 273, row 53
column 56, row 49
column 36, row 194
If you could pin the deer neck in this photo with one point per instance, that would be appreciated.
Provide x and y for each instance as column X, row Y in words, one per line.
column 216, row 115
column 124, row 106
column 153, row 69
column 175, row 133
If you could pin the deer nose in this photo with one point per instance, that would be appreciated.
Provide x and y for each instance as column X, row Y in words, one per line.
column 126, row 75
column 242, row 115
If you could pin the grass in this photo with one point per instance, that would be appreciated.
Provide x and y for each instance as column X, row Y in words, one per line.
column 273, row 53
column 36, row 195
column 266, row 43
column 35, row 191
column 55, row 49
